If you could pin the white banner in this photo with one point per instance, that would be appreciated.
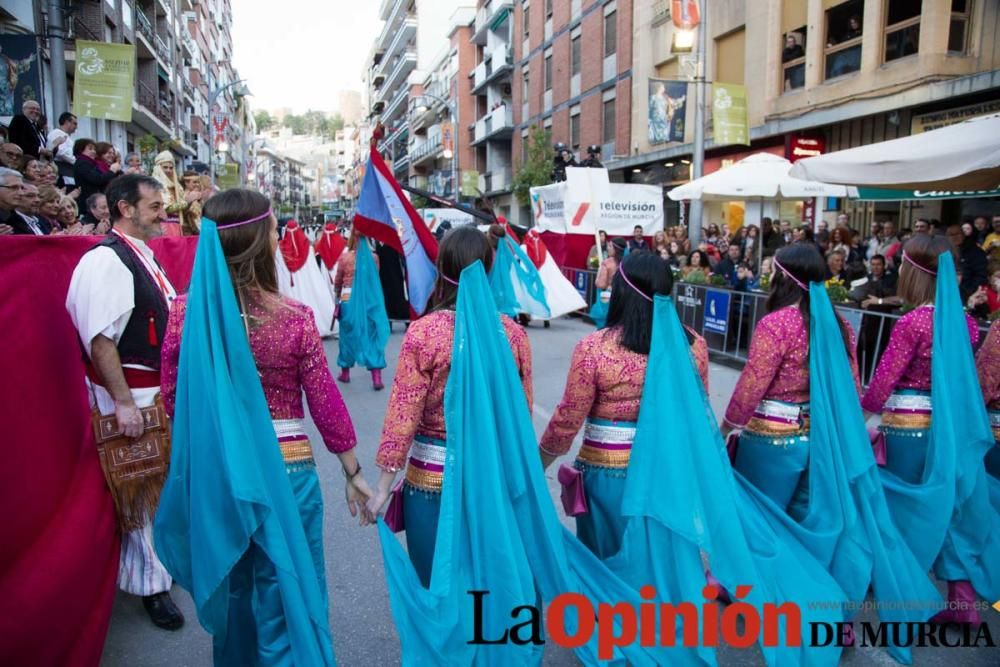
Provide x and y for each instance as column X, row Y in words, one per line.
column 558, row 208
column 437, row 217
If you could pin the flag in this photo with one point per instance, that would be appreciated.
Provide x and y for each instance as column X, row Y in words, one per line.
column 385, row 214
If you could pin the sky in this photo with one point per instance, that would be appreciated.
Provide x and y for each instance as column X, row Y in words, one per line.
column 302, row 53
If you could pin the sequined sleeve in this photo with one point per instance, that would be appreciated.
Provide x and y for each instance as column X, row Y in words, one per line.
column 521, row 348
column 988, row 365
column 170, row 354
column 763, row 361
column 699, row 350
column 410, row 387
column 344, row 277
column 326, row 405
column 897, row 357
column 577, row 401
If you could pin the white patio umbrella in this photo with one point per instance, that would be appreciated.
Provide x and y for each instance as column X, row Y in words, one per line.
column 760, row 176
column 963, row 156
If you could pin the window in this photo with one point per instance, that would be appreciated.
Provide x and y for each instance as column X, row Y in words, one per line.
column 793, row 59
column 843, row 38
column 524, row 147
column 525, row 90
column 526, row 13
column 902, row 29
column 609, row 121
column 574, row 56
column 958, row 33
column 548, row 72
column 730, row 57
column 610, row 34
column 574, row 130
column 548, row 8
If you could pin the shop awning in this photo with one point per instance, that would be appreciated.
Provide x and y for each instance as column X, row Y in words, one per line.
column 883, row 194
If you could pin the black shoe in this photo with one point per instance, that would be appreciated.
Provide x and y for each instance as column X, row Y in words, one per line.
column 546, row 324
column 162, row 611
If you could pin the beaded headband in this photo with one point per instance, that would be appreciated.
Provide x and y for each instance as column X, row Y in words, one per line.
column 907, row 258
column 260, row 217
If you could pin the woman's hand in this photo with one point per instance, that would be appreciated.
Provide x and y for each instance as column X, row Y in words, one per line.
column 357, row 493
column 381, row 496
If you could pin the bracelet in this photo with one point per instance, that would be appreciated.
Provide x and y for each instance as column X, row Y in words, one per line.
column 350, row 478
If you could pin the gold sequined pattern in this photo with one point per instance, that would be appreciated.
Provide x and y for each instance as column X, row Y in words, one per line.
column 605, row 458
column 425, row 480
column 918, row 420
column 296, row 451
column 770, row 428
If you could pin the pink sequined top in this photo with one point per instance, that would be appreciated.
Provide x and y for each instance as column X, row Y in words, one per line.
column 777, row 365
column 416, row 404
column 344, row 277
column 605, row 381
column 988, row 365
column 290, row 359
column 906, row 362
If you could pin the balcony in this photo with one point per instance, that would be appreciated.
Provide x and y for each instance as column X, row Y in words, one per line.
column 496, row 125
column 496, row 181
column 400, row 71
column 144, row 27
column 162, row 50
column 490, row 17
column 153, row 114
column 404, row 35
column 426, row 152
column 395, row 105
column 497, row 63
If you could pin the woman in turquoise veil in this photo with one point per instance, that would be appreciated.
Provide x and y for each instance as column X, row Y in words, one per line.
column 804, row 448
column 936, row 432
column 617, row 248
column 988, row 365
column 240, row 521
column 364, row 325
column 516, row 284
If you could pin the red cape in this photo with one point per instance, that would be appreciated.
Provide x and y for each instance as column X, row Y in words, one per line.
column 295, row 246
column 330, row 245
column 535, row 247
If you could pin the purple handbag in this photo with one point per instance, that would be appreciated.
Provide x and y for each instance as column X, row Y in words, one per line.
column 573, row 498
column 394, row 512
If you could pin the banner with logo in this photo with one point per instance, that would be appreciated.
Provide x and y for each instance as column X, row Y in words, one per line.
column 729, row 114
column 685, row 14
column 105, row 80
column 667, row 109
column 556, row 208
column 440, row 220
column 20, row 74
column 932, row 121
column 227, row 175
column 470, row 183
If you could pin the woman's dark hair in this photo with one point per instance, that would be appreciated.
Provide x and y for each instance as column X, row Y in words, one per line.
column 807, row 265
column 630, row 312
column 459, row 248
column 840, row 235
column 703, row 257
column 80, row 145
column 807, row 233
column 620, row 245
column 918, row 287
column 102, row 147
column 494, row 234
column 248, row 250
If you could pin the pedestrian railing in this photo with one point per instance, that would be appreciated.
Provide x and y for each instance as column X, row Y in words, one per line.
column 727, row 318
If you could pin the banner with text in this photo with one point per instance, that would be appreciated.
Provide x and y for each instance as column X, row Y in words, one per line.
column 20, row 75
column 105, row 80
column 557, row 208
column 729, row 114
column 440, row 220
column 667, row 108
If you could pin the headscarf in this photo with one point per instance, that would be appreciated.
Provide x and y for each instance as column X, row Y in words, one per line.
column 172, row 187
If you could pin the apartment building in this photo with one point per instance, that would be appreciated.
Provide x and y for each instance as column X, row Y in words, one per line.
column 822, row 75
column 183, row 63
column 573, row 75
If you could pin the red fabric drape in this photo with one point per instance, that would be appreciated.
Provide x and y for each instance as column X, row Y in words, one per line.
column 569, row 250
column 330, row 245
column 59, row 549
column 535, row 248
column 295, row 247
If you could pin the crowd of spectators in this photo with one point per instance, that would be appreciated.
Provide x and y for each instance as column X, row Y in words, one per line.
column 53, row 183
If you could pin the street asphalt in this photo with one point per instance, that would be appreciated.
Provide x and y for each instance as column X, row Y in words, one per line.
column 362, row 626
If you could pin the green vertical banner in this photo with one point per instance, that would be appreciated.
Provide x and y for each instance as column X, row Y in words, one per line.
column 104, row 83
column 227, row 175
column 470, row 183
column 729, row 114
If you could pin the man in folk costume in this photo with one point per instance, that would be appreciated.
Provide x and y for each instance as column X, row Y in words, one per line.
column 300, row 278
column 119, row 298
column 174, row 202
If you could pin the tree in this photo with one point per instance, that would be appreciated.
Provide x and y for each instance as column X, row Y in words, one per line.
column 263, row 119
column 537, row 169
column 296, row 123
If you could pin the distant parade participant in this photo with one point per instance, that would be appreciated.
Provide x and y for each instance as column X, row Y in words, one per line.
column 936, row 431
column 119, row 299
column 617, row 248
column 165, row 171
column 364, row 324
column 516, row 284
column 301, row 279
column 241, row 522
column 988, row 364
column 603, row 393
column 413, row 433
column 804, row 446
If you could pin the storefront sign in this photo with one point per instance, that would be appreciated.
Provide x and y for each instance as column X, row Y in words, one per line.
column 880, row 194
column 729, row 114
column 105, row 80
column 559, row 208
column 926, row 122
column 800, row 147
column 716, row 311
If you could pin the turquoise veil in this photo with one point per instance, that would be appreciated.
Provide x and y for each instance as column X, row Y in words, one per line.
column 227, row 485
column 509, row 263
column 364, row 325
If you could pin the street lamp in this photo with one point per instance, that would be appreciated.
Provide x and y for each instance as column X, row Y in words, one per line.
column 453, row 117
column 243, row 91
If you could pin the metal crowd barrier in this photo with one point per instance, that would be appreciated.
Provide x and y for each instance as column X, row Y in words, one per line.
column 726, row 319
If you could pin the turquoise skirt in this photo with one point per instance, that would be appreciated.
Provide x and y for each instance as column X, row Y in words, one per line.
column 602, row 527
column 778, row 467
column 256, row 633
column 421, row 508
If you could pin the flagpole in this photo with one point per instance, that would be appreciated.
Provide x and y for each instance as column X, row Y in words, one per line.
column 698, row 159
